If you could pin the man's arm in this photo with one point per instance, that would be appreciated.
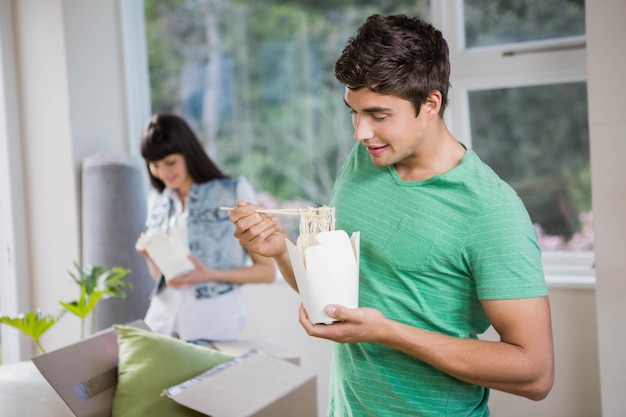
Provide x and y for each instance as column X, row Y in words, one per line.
column 521, row 363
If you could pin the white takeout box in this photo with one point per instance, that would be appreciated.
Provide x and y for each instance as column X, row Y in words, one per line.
column 168, row 255
column 328, row 273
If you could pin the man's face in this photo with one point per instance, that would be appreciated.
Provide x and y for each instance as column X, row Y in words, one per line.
column 387, row 126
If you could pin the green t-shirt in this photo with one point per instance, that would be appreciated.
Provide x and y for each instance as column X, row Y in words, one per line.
column 430, row 251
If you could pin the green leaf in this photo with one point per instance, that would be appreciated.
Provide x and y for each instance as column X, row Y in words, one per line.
column 112, row 281
column 109, row 281
column 33, row 323
column 96, row 282
column 84, row 305
column 75, row 308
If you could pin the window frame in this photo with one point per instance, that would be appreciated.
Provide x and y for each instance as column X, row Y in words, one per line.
column 532, row 63
column 536, row 63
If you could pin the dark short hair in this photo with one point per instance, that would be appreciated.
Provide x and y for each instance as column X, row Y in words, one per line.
column 397, row 55
column 166, row 134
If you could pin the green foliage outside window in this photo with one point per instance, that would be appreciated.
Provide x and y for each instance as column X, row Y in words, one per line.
column 256, row 81
column 495, row 22
column 537, row 139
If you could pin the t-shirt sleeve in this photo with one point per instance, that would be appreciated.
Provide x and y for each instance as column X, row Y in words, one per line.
column 503, row 253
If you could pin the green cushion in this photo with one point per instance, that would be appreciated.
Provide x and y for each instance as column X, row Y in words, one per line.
column 150, row 363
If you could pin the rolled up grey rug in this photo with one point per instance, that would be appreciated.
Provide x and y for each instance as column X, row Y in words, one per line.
column 113, row 214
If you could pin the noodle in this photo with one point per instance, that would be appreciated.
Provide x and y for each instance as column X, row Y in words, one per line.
column 313, row 221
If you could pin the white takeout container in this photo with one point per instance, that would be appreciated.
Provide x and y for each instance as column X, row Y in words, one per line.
column 328, row 273
column 168, row 254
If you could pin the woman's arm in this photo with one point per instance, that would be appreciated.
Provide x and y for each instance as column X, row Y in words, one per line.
column 262, row 270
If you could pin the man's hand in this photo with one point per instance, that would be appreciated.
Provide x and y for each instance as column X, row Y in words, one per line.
column 257, row 232
column 353, row 325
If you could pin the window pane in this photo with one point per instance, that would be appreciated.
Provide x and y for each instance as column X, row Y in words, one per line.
column 493, row 22
column 537, row 139
column 256, row 80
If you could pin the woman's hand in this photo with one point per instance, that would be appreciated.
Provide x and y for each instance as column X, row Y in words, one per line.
column 142, row 242
column 140, row 246
column 201, row 273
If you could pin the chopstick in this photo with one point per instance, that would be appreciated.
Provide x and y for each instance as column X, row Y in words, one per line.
column 289, row 212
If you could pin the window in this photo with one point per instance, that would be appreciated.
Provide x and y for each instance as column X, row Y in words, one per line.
column 519, row 99
column 537, row 139
column 489, row 22
column 259, row 77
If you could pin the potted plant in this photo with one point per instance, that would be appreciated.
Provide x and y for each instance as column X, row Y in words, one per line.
column 95, row 283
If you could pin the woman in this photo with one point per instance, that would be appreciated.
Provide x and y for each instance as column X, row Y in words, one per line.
column 205, row 304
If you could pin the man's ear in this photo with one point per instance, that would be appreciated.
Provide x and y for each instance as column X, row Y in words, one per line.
column 432, row 104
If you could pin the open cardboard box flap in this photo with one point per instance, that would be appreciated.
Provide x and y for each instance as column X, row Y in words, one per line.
column 84, row 374
column 255, row 384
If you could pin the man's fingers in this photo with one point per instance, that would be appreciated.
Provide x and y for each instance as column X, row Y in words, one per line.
column 241, row 211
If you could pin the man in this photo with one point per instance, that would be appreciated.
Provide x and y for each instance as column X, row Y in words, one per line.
column 447, row 248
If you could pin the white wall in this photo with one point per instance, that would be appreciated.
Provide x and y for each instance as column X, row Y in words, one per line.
column 14, row 293
column 71, row 104
column 95, row 65
column 576, row 390
column 48, row 164
column 606, row 66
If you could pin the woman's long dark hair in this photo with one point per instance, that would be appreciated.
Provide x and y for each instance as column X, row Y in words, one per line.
column 166, row 134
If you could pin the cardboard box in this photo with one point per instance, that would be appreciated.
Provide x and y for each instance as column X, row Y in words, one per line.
column 84, row 374
column 257, row 383
column 252, row 385
column 242, row 347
